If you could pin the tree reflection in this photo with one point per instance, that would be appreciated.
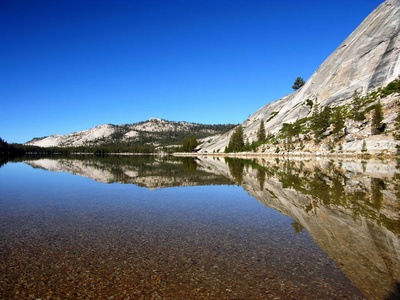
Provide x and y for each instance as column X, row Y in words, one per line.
column 236, row 167
column 377, row 187
column 261, row 178
column 297, row 227
column 351, row 209
column 189, row 164
column 326, row 184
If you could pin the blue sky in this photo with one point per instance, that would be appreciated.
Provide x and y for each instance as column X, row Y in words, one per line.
column 67, row 66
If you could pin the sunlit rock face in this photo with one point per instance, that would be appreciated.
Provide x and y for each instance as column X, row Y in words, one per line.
column 350, row 208
column 75, row 139
column 153, row 129
column 369, row 58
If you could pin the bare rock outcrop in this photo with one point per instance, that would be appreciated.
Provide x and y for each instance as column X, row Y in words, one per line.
column 154, row 131
column 368, row 59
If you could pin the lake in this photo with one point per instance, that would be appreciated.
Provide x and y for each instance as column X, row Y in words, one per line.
column 153, row 227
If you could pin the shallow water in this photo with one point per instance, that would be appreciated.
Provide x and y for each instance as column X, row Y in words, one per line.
column 125, row 235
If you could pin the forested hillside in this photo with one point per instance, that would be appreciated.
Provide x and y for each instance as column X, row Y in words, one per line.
column 153, row 135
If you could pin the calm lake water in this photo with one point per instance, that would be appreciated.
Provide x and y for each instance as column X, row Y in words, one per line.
column 149, row 227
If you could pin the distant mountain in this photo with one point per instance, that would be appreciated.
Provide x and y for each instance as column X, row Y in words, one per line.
column 366, row 66
column 367, row 60
column 155, row 132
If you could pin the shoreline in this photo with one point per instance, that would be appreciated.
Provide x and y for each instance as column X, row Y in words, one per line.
column 289, row 155
column 308, row 155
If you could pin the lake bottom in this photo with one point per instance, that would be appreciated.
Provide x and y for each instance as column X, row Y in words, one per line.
column 179, row 243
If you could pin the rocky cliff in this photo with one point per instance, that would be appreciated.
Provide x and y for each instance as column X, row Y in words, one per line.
column 368, row 59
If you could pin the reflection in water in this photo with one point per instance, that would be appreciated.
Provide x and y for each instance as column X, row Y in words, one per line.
column 236, row 167
column 297, row 227
column 350, row 208
column 144, row 171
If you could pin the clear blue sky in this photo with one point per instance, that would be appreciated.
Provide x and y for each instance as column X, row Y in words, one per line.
column 67, row 66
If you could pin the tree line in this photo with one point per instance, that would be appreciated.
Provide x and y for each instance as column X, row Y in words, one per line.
column 7, row 149
column 324, row 121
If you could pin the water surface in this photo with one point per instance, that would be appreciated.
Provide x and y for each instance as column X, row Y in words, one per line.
column 156, row 228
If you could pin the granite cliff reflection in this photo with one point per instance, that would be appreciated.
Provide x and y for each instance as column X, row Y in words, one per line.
column 145, row 171
column 350, row 208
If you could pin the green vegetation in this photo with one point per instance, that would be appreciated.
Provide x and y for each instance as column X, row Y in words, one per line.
column 357, row 112
column 236, row 167
column 236, row 142
column 364, row 147
column 189, row 144
column 145, row 142
column 338, row 118
column 13, row 150
column 261, row 132
column 146, row 139
column 330, row 121
column 325, row 187
column 172, row 171
column 299, row 82
column 273, row 114
column 393, row 87
column 397, row 122
column 289, row 130
column 320, row 121
column 377, row 118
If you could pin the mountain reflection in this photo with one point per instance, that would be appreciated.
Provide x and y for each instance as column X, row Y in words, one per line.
column 145, row 171
column 350, row 208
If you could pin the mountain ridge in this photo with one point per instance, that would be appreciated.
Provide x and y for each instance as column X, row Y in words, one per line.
column 154, row 131
column 367, row 60
column 363, row 63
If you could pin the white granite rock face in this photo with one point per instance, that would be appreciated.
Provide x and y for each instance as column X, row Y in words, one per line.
column 75, row 139
column 104, row 133
column 369, row 58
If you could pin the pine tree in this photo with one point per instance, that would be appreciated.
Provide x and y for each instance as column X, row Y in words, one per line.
column 364, row 147
column 298, row 83
column 236, row 142
column 325, row 119
column 397, row 123
column 314, row 124
column 320, row 121
column 338, row 121
column 3, row 143
column 247, row 145
column 261, row 132
column 377, row 119
column 290, row 131
column 357, row 112
column 189, row 144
